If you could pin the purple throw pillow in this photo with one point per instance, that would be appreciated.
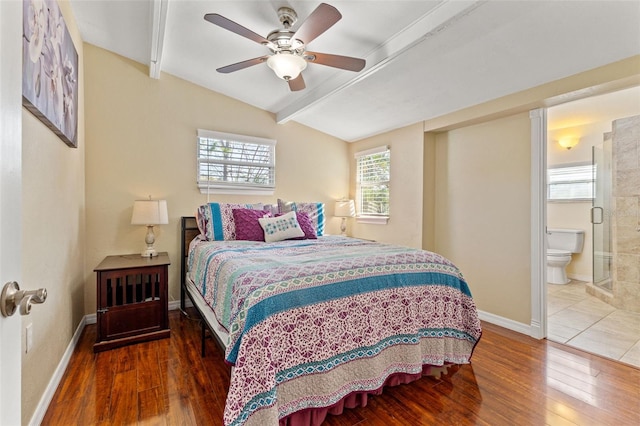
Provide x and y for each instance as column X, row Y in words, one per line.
column 306, row 225
column 247, row 225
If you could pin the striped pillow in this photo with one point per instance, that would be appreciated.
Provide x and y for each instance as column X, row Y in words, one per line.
column 215, row 220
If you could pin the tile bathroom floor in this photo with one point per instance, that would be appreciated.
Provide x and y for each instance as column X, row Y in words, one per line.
column 582, row 321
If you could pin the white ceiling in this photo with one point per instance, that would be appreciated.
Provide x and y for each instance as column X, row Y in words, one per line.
column 595, row 109
column 424, row 58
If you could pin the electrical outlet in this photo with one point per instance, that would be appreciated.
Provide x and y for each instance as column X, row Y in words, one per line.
column 29, row 336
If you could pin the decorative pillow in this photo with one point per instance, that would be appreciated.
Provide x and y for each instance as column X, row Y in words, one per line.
column 201, row 220
column 247, row 225
column 271, row 208
column 306, row 225
column 215, row 220
column 281, row 228
column 315, row 211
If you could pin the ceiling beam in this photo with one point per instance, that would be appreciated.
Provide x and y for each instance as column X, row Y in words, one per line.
column 437, row 19
column 158, row 25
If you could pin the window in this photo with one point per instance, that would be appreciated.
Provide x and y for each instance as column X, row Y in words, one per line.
column 235, row 164
column 372, row 184
column 571, row 182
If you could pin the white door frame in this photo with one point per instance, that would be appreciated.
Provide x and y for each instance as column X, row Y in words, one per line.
column 10, row 203
column 538, row 326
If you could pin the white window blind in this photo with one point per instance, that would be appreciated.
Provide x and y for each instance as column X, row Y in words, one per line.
column 571, row 182
column 229, row 163
column 372, row 182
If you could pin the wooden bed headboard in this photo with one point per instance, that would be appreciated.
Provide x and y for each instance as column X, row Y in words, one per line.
column 188, row 231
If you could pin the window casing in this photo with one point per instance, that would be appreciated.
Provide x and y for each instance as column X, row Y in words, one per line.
column 373, row 180
column 235, row 164
column 571, row 182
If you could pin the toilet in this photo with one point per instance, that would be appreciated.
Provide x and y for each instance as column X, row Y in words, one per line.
column 561, row 244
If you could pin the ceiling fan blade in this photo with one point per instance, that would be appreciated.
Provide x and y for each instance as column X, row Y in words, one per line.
column 297, row 84
column 242, row 65
column 320, row 20
column 336, row 61
column 228, row 24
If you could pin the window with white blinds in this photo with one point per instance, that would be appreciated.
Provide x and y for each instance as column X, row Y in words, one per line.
column 571, row 182
column 230, row 163
column 372, row 182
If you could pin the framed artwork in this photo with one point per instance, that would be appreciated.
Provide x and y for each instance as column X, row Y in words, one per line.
column 50, row 69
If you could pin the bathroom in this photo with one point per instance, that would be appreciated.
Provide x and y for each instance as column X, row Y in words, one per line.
column 593, row 164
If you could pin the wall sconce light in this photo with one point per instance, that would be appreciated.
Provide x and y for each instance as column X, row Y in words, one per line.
column 149, row 212
column 344, row 209
column 568, row 143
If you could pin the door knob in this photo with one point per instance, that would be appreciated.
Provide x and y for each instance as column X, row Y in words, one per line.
column 12, row 297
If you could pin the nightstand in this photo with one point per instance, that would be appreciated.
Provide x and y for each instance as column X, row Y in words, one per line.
column 132, row 300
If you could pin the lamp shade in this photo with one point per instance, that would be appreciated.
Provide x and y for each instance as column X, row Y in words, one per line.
column 150, row 212
column 345, row 208
column 286, row 65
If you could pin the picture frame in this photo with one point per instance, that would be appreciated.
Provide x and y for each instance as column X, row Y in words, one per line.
column 50, row 69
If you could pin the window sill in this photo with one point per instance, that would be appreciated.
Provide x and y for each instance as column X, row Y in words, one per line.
column 372, row 220
column 235, row 191
column 570, row 200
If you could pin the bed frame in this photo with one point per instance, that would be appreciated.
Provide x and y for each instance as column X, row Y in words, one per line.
column 188, row 231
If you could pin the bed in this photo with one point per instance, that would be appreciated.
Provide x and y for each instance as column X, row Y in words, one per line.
column 313, row 326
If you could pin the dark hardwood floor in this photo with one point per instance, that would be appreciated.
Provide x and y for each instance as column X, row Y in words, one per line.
column 513, row 380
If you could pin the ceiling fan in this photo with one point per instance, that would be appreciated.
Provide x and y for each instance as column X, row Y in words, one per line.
column 288, row 48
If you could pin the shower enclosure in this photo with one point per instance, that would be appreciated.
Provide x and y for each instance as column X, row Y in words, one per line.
column 615, row 216
column 601, row 213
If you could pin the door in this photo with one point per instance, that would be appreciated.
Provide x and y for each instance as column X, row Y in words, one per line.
column 10, row 202
column 601, row 214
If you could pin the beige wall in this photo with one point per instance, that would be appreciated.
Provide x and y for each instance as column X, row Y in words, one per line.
column 405, row 208
column 141, row 140
column 429, row 193
column 53, row 206
column 482, row 211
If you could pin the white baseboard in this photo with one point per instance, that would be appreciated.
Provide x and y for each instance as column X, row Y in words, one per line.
column 175, row 304
column 506, row 323
column 50, row 390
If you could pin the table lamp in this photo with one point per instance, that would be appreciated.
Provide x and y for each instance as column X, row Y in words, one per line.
column 344, row 209
column 149, row 213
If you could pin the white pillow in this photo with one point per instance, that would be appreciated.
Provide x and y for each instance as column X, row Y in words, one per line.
column 281, row 227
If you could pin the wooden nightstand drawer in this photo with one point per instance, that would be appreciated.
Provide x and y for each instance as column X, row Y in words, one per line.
column 132, row 300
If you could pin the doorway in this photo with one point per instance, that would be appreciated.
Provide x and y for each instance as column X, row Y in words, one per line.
column 583, row 313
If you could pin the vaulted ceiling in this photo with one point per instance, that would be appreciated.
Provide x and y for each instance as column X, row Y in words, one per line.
column 424, row 59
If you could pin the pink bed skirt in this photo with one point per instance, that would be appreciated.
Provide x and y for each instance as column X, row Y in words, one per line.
column 315, row 416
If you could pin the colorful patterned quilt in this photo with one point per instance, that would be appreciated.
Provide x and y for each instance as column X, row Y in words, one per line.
column 311, row 321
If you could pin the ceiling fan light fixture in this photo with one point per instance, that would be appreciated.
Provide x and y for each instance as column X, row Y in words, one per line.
column 286, row 65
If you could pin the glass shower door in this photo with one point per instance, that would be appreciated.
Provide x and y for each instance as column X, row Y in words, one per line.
column 601, row 214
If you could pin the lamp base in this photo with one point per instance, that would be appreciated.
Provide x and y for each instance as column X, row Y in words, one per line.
column 149, row 252
column 343, row 227
column 150, row 238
